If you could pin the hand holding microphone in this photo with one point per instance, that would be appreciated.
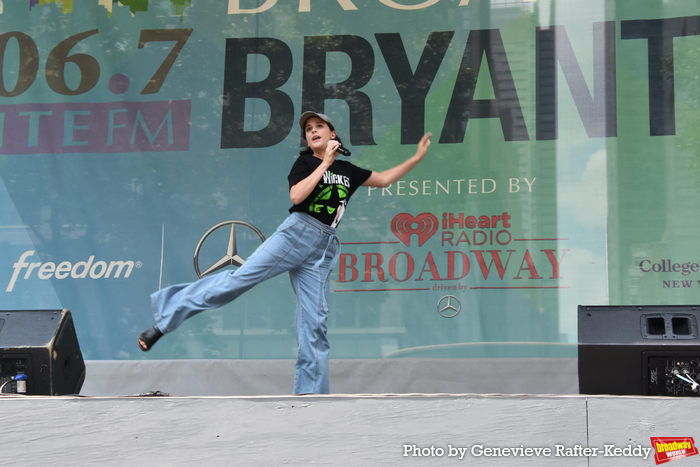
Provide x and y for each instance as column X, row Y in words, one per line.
column 340, row 149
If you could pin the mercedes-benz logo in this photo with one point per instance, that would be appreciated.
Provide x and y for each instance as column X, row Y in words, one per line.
column 449, row 304
column 231, row 258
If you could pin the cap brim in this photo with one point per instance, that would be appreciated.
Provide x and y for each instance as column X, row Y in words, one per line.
column 308, row 114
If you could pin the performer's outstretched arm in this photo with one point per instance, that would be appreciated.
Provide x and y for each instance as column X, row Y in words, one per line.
column 386, row 178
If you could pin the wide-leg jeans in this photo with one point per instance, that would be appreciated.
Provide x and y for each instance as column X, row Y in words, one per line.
column 302, row 246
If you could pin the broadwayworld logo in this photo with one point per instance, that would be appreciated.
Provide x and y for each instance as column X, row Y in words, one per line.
column 668, row 449
column 80, row 270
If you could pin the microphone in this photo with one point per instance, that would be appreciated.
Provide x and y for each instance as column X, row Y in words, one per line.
column 341, row 150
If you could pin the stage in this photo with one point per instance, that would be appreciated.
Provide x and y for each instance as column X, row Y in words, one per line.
column 344, row 430
column 123, row 417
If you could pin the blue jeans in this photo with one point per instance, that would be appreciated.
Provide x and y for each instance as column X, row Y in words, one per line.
column 304, row 247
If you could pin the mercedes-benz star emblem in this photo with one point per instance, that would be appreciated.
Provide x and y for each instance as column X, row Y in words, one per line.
column 231, row 258
column 448, row 306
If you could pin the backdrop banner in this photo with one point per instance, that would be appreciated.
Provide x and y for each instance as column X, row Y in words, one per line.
column 564, row 167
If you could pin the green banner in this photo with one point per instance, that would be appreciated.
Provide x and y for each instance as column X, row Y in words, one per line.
column 563, row 168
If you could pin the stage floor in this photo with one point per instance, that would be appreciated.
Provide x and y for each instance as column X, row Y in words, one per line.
column 344, row 430
column 484, row 412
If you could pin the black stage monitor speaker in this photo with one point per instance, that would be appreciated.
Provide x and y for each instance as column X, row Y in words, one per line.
column 39, row 353
column 639, row 350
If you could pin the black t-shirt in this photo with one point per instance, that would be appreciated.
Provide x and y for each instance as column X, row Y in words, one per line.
column 328, row 199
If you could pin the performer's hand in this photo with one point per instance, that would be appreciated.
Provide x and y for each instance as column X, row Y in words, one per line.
column 331, row 151
column 423, row 146
column 387, row 177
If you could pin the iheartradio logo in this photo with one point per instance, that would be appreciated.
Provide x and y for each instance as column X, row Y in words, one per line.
column 424, row 225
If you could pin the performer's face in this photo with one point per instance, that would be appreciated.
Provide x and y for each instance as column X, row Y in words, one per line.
column 317, row 134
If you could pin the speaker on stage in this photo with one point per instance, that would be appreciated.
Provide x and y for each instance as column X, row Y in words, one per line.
column 639, row 350
column 39, row 353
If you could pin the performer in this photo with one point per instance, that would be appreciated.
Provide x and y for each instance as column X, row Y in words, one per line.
column 305, row 245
